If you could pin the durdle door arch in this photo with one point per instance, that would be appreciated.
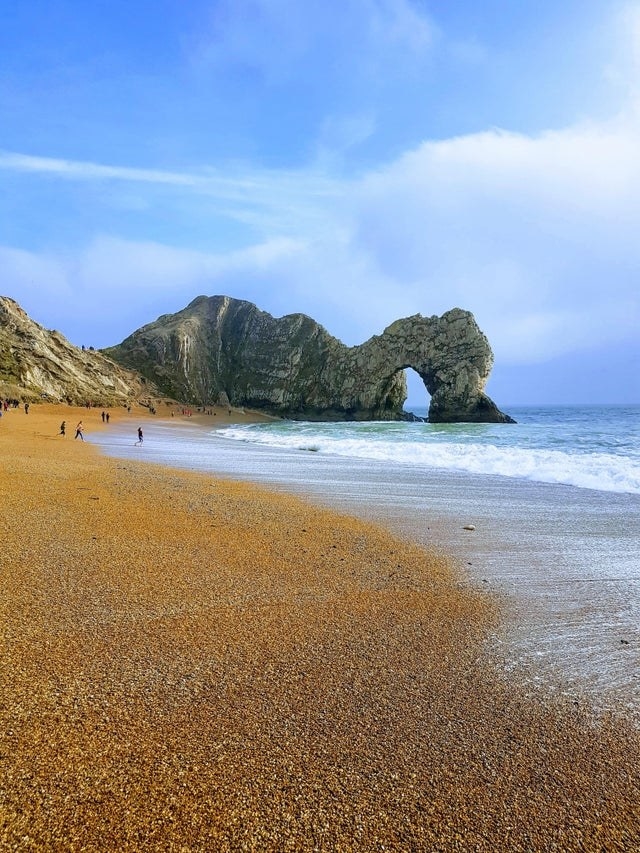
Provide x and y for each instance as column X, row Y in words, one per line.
column 219, row 348
column 449, row 353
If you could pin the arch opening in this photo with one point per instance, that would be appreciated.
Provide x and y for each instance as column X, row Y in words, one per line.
column 418, row 398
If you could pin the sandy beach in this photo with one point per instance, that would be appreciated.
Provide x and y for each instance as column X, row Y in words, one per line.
column 197, row 664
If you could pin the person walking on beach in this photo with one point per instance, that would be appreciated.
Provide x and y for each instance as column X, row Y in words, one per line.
column 140, row 439
column 63, row 427
column 79, row 429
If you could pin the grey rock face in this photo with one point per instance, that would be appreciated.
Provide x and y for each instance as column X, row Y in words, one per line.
column 219, row 349
column 36, row 362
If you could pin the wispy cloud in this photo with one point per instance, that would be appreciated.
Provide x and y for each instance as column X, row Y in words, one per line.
column 276, row 38
column 401, row 24
column 83, row 170
column 243, row 184
column 268, row 201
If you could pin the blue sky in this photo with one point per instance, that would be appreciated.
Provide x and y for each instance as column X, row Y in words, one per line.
column 358, row 161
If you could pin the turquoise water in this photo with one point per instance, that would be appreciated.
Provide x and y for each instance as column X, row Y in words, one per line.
column 593, row 447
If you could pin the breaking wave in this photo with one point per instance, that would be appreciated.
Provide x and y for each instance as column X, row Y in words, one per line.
column 477, row 448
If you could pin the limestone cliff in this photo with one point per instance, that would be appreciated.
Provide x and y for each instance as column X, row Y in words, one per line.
column 37, row 363
column 220, row 349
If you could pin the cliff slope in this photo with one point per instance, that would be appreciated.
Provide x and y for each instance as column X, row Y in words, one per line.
column 36, row 363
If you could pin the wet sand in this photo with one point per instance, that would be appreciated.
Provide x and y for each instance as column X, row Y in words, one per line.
column 198, row 664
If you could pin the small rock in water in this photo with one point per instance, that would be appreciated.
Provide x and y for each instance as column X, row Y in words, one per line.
column 469, row 527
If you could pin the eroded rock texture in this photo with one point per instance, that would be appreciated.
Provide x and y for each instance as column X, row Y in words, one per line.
column 220, row 349
column 36, row 362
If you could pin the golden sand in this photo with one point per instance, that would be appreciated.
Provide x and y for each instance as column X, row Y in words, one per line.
column 197, row 665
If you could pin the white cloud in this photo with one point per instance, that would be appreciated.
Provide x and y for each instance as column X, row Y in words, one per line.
column 82, row 170
column 537, row 235
column 104, row 291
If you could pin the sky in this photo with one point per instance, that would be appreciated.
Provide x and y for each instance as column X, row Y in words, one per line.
column 354, row 160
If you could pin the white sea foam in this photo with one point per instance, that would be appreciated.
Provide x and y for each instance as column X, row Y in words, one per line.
column 581, row 468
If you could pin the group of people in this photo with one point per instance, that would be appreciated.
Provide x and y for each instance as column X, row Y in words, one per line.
column 7, row 404
column 80, row 431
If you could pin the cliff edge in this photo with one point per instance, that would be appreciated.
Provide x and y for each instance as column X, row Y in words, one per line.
column 37, row 363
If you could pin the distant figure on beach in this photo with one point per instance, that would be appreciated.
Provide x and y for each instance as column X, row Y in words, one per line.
column 103, row 417
column 139, row 441
column 63, row 427
column 79, row 429
column 26, row 408
column 106, row 417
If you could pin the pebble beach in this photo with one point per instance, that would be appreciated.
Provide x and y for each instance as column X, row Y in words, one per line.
column 197, row 664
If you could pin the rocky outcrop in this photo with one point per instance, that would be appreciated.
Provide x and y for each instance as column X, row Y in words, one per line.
column 37, row 363
column 220, row 349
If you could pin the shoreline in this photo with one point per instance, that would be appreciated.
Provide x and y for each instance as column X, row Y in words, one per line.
column 563, row 560
column 201, row 663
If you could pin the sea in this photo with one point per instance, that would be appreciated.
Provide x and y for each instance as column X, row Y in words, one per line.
column 544, row 513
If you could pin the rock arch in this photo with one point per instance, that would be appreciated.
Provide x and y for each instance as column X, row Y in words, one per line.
column 451, row 355
column 223, row 348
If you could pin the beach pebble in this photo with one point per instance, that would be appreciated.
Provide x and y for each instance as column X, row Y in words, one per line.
column 294, row 679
